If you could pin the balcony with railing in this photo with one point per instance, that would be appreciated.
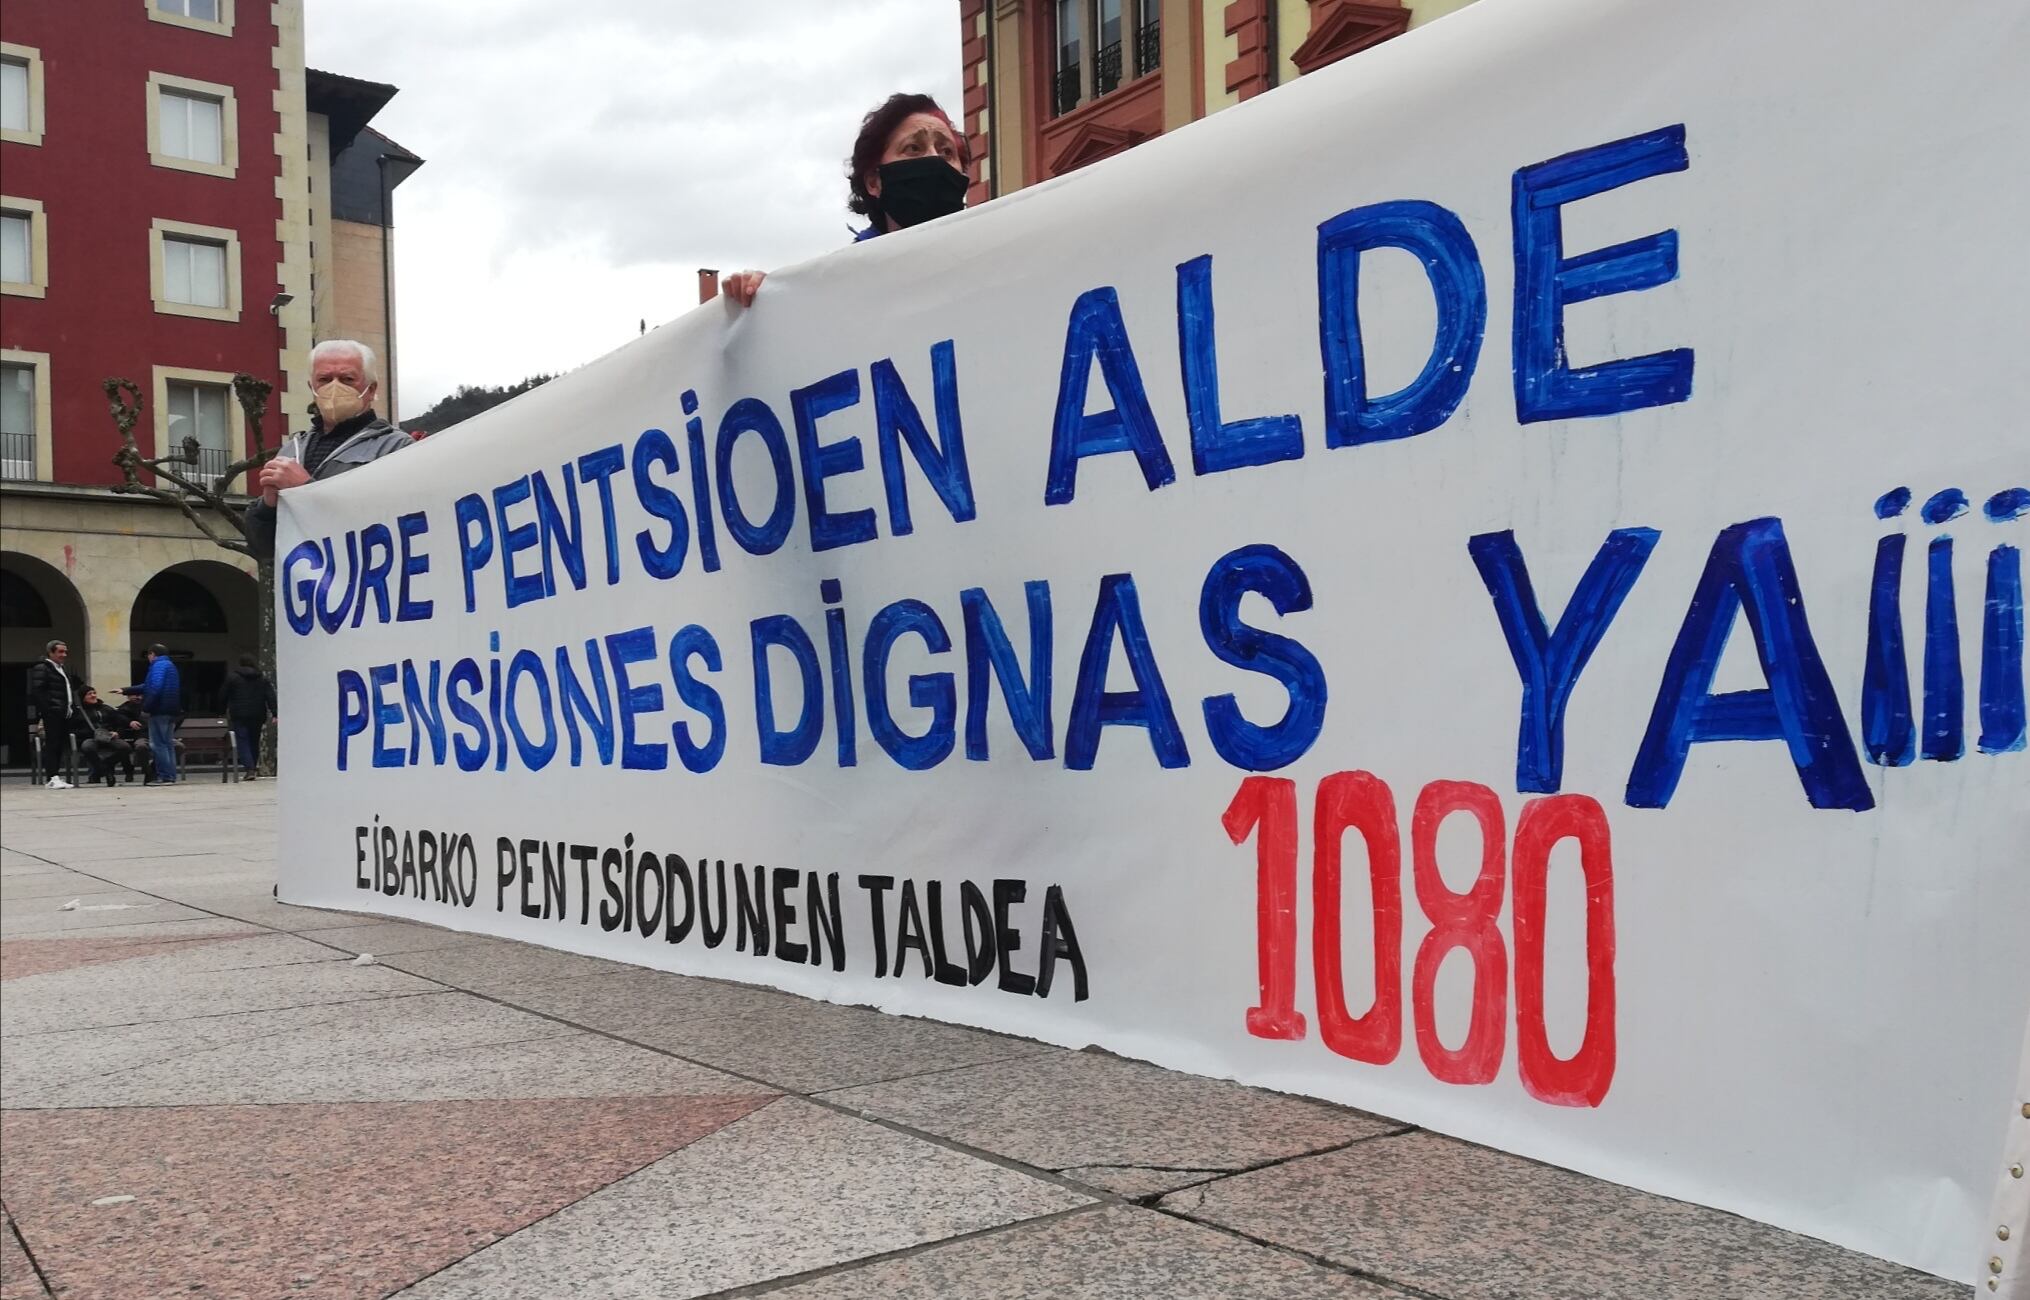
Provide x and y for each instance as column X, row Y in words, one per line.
column 1065, row 91
column 1148, row 48
column 212, row 463
column 17, row 457
column 1106, row 69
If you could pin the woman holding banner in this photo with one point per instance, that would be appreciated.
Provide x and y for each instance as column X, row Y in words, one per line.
column 908, row 167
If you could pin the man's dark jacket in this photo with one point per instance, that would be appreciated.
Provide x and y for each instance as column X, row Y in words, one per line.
column 326, row 453
column 249, row 697
column 46, row 694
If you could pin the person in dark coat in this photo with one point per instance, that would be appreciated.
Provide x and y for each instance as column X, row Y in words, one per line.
column 346, row 434
column 53, row 698
column 104, row 738
column 250, row 702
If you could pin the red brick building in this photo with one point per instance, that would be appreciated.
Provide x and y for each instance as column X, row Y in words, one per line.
column 166, row 172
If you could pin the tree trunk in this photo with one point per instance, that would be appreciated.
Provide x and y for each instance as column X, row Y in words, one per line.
column 268, row 662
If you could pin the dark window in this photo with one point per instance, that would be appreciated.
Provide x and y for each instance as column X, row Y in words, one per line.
column 173, row 603
column 21, row 605
column 1126, row 42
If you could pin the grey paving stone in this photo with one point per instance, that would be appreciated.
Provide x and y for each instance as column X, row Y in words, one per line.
column 788, row 1189
column 499, row 966
column 34, row 1063
column 804, row 1046
column 1461, row 1221
column 45, row 884
column 438, row 1047
column 211, row 944
column 113, row 994
column 197, row 927
column 1066, row 1109
column 385, row 938
column 195, row 877
column 1109, row 1253
column 643, row 1004
column 100, row 910
column 259, row 906
column 1139, row 1181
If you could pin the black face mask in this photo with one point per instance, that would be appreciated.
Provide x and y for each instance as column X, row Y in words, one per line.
column 916, row 190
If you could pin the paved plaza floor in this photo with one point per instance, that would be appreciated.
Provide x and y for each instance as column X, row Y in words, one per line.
column 201, row 1093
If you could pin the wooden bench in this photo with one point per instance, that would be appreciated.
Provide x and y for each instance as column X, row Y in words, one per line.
column 205, row 741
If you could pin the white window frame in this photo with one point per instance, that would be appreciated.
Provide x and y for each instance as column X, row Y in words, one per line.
column 236, row 432
column 223, row 27
column 37, row 283
column 229, row 124
column 162, row 229
column 32, row 58
column 39, row 363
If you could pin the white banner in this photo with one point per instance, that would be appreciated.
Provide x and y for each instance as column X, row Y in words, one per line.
column 1484, row 585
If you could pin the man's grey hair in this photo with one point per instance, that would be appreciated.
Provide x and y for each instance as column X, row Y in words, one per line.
column 335, row 347
column 50, row 649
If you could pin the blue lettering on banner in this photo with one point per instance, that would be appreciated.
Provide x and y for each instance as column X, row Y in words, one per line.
column 470, row 746
column 598, row 468
column 1549, row 662
column 527, row 665
column 829, row 529
column 415, row 564
column 387, row 714
column 933, row 691
column 426, row 716
column 559, row 540
column 1097, row 334
column 691, row 642
column 299, row 597
column 521, row 588
column 752, row 415
column 475, row 542
column 352, row 710
column 988, row 649
column 778, row 747
column 1218, row 444
column 1439, row 242
column 1267, row 572
column 594, row 708
column 897, row 422
column 331, row 617
column 1118, row 615
column 1749, row 571
column 635, row 646
column 377, row 564
column 1547, row 282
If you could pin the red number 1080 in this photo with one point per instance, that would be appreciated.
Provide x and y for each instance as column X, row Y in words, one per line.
column 1266, row 807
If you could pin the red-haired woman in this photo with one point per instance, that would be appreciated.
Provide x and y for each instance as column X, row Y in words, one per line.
column 908, row 167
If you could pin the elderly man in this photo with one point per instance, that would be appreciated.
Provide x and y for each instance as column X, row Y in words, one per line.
column 53, row 697
column 345, row 434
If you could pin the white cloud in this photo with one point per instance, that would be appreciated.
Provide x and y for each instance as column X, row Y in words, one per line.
column 585, row 158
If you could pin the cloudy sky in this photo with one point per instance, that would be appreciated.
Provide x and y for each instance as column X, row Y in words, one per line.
column 586, row 158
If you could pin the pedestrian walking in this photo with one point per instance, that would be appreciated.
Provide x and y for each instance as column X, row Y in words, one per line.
column 250, row 702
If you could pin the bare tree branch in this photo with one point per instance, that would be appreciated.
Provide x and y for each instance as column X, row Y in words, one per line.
column 206, row 505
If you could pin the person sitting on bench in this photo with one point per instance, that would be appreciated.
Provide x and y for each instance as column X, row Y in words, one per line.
column 104, row 738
